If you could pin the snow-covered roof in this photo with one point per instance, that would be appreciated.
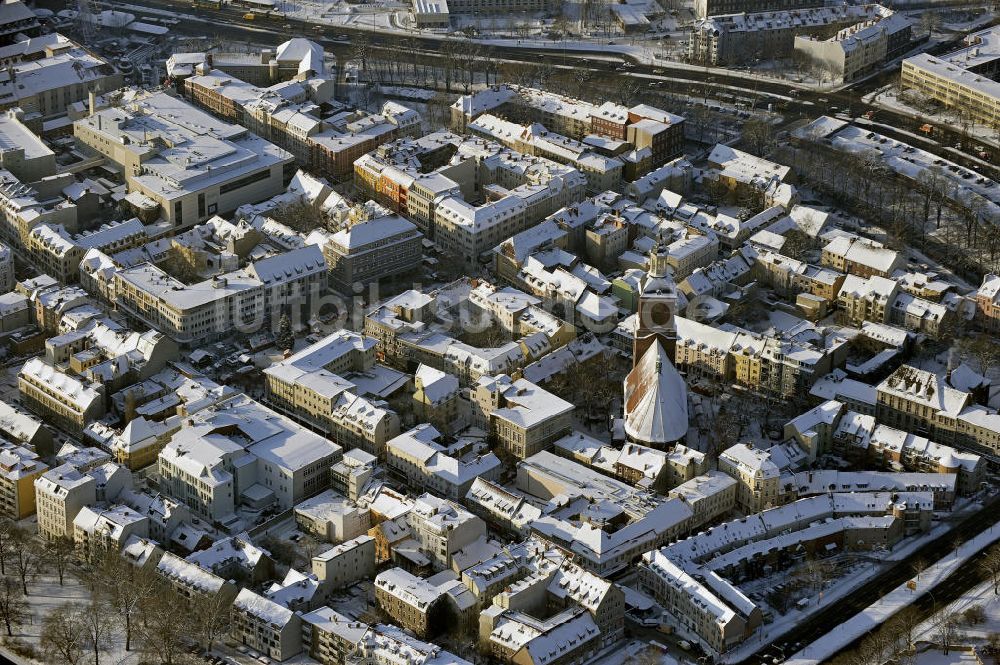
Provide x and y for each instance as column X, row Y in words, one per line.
column 924, row 387
column 656, row 409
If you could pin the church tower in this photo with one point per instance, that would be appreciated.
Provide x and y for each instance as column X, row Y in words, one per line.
column 657, row 307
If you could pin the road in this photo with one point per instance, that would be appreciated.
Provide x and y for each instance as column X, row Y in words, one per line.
column 965, row 578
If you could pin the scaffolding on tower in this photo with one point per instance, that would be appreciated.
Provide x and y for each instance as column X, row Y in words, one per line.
column 86, row 21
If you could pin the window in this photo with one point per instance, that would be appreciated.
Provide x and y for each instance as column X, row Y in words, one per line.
column 244, row 181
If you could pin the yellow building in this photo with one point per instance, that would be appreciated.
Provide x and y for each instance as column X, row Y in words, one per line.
column 18, row 469
column 965, row 79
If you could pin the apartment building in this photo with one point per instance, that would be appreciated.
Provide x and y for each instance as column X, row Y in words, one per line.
column 744, row 37
column 922, row 403
column 265, row 626
column 637, row 128
column 242, row 300
column 97, row 530
column 446, row 466
column 414, row 603
column 344, row 564
column 516, row 191
column 862, row 257
column 294, row 115
column 521, row 417
column 435, row 396
column 60, row 494
column 705, row 8
column 311, row 386
column 384, row 642
column 351, row 474
column 858, row 50
column 28, row 157
column 22, row 429
column 964, row 79
column 710, row 496
column 442, row 528
column 512, row 636
column 895, row 448
column 987, row 299
column 757, row 477
column 19, row 467
column 62, row 252
column 235, row 557
column 240, row 452
column 332, row 517
column 50, row 73
column 16, row 18
column 191, row 581
column 602, row 172
column 330, row 637
column 694, row 579
column 741, row 171
column 211, row 167
column 371, row 250
column 67, row 401
column 638, row 523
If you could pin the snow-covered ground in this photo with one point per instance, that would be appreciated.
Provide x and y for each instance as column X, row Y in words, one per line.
column 936, row 657
column 893, row 602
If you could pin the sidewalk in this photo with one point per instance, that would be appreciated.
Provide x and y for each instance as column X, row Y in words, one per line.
column 892, row 602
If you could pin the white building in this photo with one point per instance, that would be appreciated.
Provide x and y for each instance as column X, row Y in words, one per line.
column 60, row 494
column 346, row 563
column 332, row 517
column 266, row 626
column 187, row 162
column 423, row 458
column 442, row 528
column 238, row 451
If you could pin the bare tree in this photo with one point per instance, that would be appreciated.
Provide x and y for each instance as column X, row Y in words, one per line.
column 26, row 558
column 993, row 640
column 982, row 350
column 124, row 588
column 905, row 624
column 59, row 552
column 210, row 616
column 7, row 530
column 758, row 136
column 930, row 20
column 165, row 625
column 95, row 617
column 300, row 216
column 990, row 562
column 949, row 633
column 63, row 637
column 13, row 607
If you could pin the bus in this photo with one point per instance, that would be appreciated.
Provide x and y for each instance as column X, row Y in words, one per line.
column 206, row 4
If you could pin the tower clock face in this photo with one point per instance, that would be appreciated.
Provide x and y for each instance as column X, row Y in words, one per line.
column 660, row 313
